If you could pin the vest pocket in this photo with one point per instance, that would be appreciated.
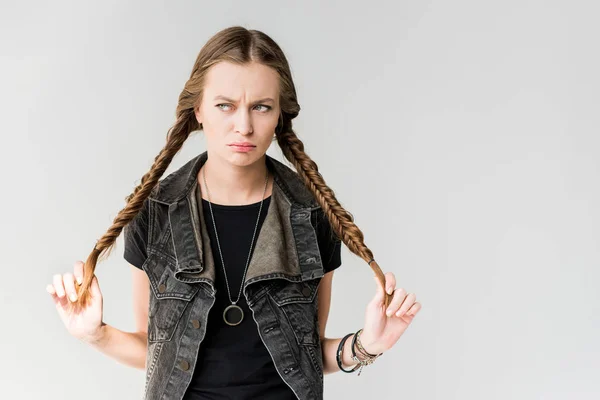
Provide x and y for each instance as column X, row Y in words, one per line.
column 168, row 300
column 297, row 301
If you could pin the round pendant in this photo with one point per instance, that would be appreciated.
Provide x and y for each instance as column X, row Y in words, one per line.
column 233, row 315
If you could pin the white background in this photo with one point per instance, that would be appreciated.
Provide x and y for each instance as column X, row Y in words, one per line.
column 462, row 135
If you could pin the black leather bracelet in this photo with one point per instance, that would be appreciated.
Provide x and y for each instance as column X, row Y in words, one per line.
column 354, row 344
column 338, row 355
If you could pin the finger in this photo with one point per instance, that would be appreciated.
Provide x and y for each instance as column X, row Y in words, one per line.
column 58, row 285
column 69, row 282
column 399, row 295
column 60, row 299
column 390, row 282
column 50, row 289
column 78, row 271
column 414, row 309
column 408, row 302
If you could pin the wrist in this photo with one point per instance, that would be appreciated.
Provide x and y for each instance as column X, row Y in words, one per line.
column 97, row 337
column 359, row 354
column 368, row 344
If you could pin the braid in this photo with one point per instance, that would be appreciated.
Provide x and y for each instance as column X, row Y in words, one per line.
column 341, row 220
column 241, row 46
column 176, row 137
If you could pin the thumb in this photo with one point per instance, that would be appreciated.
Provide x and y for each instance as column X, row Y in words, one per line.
column 379, row 294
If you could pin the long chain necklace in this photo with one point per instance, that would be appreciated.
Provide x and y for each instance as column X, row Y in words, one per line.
column 233, row 314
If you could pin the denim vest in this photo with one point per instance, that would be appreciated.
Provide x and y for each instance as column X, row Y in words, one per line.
column 280, row 285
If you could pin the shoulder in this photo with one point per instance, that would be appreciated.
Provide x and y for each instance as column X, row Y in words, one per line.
column 178, row 183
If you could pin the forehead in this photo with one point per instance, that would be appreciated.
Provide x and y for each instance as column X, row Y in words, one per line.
column 234, row 80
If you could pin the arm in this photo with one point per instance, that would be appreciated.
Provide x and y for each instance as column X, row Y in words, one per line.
column 129, row 348
column 330, row 345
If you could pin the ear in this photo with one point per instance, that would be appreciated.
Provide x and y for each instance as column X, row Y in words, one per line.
column 198, row 115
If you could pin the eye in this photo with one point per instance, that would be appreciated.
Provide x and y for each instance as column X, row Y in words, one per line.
column 267, row 108
column 223, row 104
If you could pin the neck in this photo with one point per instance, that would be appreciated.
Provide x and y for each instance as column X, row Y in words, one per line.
column 234, row 185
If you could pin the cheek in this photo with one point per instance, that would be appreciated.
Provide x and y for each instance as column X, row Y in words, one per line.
column 267, row 131
column 215, row 123
column 266, row 124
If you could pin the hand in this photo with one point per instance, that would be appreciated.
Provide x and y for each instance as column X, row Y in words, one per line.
column 382, row 331
column 82, row 323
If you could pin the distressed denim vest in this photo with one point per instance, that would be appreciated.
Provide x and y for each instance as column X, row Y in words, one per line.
column 280, row 285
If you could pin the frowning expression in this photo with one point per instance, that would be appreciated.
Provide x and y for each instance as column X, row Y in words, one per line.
column 239, row 111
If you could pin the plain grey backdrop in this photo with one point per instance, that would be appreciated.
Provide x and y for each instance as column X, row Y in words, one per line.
column 462, row 135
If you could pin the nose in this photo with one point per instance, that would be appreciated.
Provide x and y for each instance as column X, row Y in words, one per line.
column 243, row 122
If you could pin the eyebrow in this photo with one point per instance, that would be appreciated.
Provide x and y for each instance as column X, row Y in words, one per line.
column 264, row 100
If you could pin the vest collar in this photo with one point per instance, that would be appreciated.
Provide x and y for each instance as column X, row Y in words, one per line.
column 286, row 246
column 179, row 183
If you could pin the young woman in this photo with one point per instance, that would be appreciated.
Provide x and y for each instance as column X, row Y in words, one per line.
column 233, row 254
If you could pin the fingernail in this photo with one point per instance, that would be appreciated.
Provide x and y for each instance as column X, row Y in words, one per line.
column 79, row 280
column 389, row 290
column 73, row 297
column 388, row 312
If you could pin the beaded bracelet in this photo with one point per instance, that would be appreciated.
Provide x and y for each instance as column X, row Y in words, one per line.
column 338, row 355
column 361, row 348
column 370, row 358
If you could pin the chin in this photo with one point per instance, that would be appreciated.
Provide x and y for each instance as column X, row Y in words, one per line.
column 244, row 159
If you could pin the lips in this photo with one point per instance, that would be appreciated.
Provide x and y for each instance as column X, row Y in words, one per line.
column 242, row 144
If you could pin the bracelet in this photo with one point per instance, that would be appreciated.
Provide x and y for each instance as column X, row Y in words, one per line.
column 370, row 358
column 338, row 355
column 362, row 349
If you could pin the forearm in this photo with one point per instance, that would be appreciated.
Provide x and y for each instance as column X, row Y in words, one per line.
column 128, row 348
column 329, row 347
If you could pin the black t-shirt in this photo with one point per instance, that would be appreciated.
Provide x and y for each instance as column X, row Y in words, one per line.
column 233, row 362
